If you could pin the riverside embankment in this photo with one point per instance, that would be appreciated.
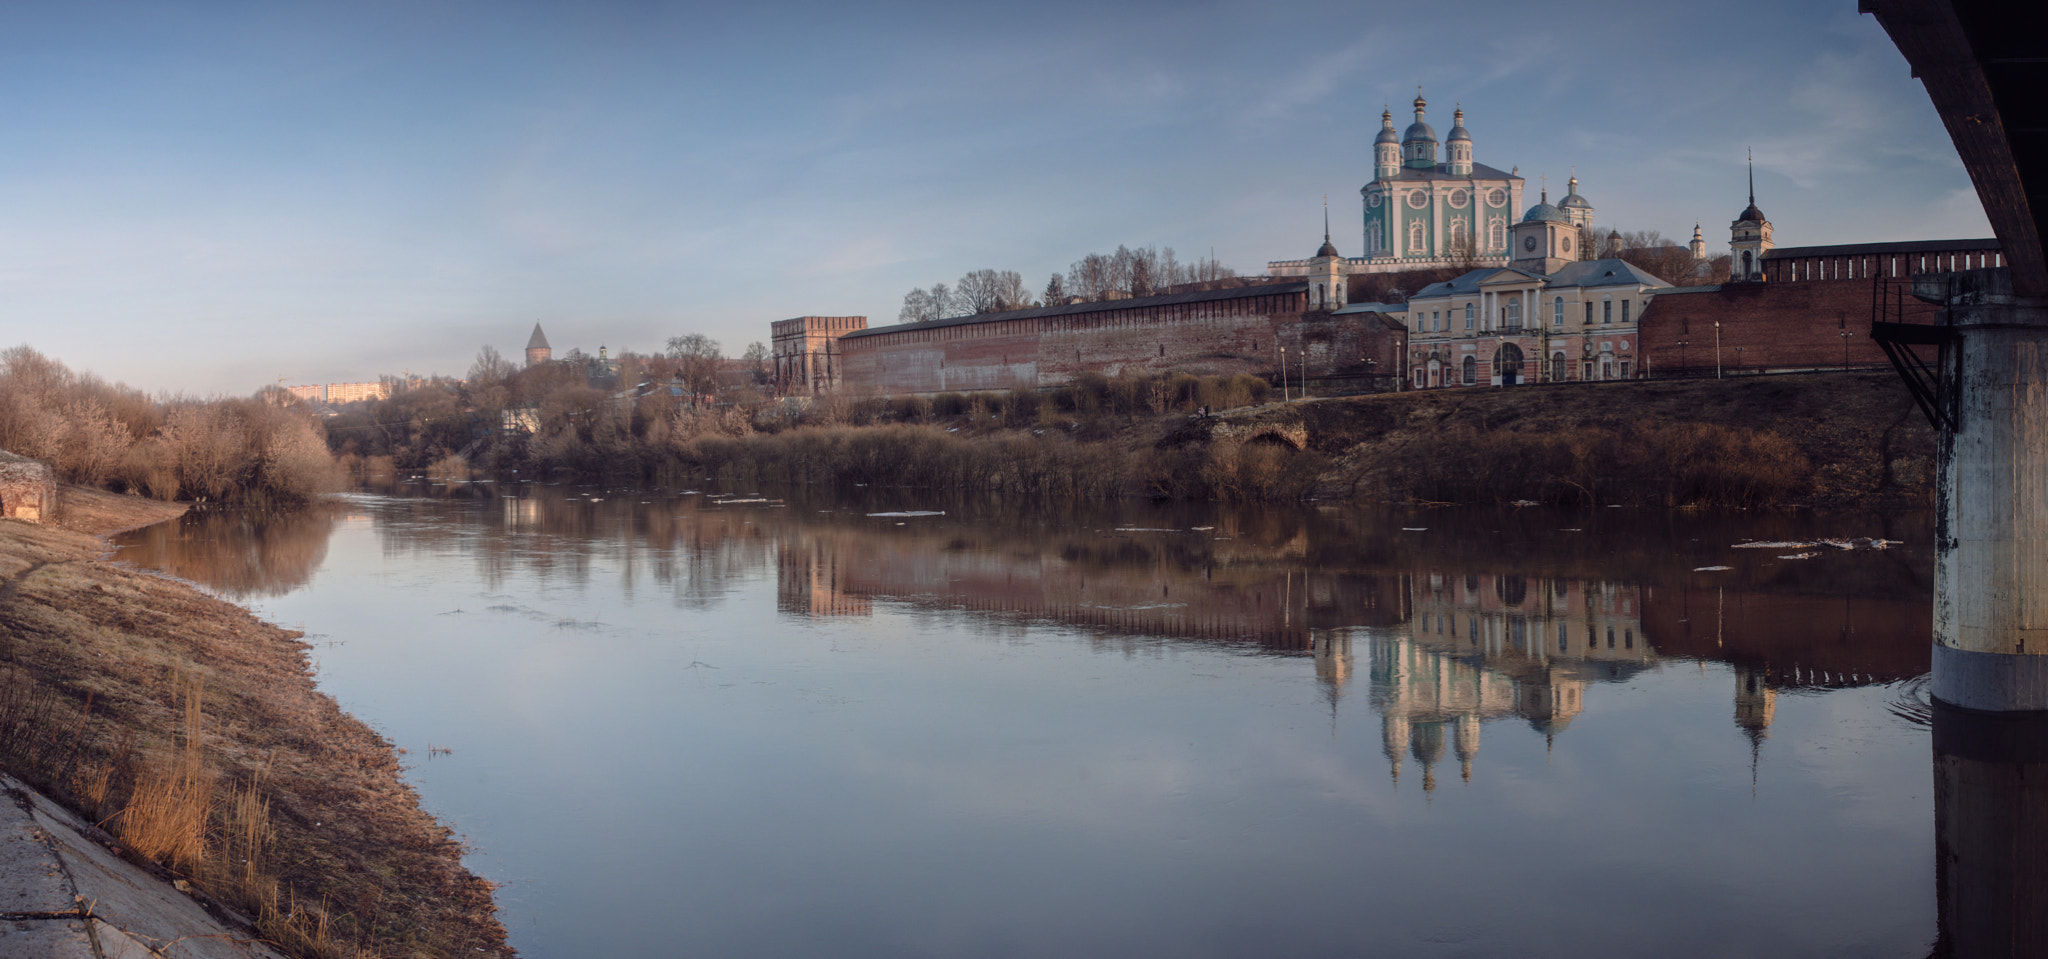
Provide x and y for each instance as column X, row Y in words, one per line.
column 193, row 733
column 1845, row 440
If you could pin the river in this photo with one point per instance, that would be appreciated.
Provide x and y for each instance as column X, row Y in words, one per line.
column 887, row 724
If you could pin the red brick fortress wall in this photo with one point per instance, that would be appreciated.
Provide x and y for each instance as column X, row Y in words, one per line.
column 1239, row 332
column 1777, row 326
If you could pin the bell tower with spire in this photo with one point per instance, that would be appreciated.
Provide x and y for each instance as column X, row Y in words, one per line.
column 1327, row 270
column 1749, row 238
column 1386, row 149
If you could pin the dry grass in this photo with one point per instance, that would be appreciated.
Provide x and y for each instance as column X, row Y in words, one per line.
column 195, row 734
column 166, row 815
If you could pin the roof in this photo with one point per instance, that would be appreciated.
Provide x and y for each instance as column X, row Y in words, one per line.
column 1544, row 212
column 1480, row 171
column 1076, row 309
column 1903, row 246
column 1469, row 282
column 538, row 341
column 1607, row 272
column 1750, row 214
column 1582, row 274
column 1328, row 248
column 1372, row 308
column 1419, row 131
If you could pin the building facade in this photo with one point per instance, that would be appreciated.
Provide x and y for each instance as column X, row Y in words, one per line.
column 1546, row 317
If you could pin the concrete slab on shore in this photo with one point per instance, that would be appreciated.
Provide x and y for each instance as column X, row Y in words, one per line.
column 65, row 895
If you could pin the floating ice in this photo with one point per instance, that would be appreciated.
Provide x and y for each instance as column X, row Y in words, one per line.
column 1710, row 569
column 911, row 512
column 1414, row 529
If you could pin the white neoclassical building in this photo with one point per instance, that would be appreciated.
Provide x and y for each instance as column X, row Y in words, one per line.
column 1422, row 211
column 1546, row 316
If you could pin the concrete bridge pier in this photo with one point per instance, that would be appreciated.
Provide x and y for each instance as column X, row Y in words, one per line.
column 1991, row 528
column 1990, row 787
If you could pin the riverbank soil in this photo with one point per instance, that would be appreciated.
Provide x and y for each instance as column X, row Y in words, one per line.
column 104, row 669
column 1834, row 440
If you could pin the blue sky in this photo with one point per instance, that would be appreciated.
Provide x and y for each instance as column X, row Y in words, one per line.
column 205, row 197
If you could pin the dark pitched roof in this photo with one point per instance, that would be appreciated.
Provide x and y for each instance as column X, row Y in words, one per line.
column 1134, row 303
column 1469, row 282
column 538, row 341
column 1480, row 171
column 1608, row 272
column 1906, row 246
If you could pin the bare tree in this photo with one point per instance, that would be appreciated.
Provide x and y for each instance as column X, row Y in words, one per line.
column 917, row 307
column 490, row 369
column 755, row 359
column 697, row 359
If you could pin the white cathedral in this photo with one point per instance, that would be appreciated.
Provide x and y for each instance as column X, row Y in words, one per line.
column 1422, row 213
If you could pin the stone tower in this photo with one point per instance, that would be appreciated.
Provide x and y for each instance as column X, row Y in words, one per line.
column 537, row 349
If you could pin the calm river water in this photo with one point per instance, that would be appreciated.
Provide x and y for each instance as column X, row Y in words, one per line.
column 684, row 724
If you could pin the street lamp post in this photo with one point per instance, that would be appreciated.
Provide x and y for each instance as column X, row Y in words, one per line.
column 1681, row 354
column 1372, row 379
column 1283, row 374
column 1738, row 357
column 1845, row 334
column 1717, row 349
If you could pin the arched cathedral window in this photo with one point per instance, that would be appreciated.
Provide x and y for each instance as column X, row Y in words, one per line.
column 1497, row 235
column 1415, row 237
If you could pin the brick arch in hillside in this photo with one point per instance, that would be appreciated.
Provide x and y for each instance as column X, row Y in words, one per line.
column 1294, row 437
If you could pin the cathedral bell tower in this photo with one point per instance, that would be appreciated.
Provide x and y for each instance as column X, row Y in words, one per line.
column 1749, row 238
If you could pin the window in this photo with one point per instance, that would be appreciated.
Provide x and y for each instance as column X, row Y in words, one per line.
column 1435, row 320
column 1606, row 311
column 1560, row 637
column 1610, row 637
column 1624, row 369
column 1557, row 312
column 1468, row 316
column 1557, row 367
column 1511, row 317
column 1471, row 371
column 1497, row 233
column 1415, row 236
column 1589, row 314
column 1624, row 311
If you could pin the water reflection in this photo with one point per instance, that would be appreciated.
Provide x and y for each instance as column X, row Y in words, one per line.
column 1466, row 618
column 900, row 700
column 239, row 553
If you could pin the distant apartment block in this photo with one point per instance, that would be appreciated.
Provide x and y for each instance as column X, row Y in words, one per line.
column 341, row 392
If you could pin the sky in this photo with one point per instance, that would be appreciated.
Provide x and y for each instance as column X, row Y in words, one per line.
column 205, row 198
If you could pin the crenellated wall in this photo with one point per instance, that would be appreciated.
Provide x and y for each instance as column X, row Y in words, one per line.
column 1213, row 332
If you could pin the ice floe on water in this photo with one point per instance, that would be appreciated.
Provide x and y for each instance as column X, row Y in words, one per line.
column 1710, row 569
column 911, row 512
column 1859, row 542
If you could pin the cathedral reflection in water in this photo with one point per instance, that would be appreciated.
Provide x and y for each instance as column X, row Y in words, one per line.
column 1443, row 652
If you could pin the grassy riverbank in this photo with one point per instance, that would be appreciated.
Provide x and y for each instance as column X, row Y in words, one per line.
column 1847, row 440
column 193, row 732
